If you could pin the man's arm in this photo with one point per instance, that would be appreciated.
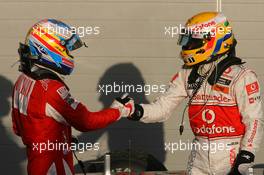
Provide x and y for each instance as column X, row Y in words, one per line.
column 247, row 93
column 162, row 107
column 249, row 101
column 65, row 109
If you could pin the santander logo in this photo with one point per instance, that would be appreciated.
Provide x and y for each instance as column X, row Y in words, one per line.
column 210, row 127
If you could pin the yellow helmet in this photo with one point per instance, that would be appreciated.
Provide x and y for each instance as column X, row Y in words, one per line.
column 205, row 36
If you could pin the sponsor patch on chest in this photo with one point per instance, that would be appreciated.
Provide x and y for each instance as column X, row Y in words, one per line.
column 220, row 88
column 222, row 85
column 224, row 81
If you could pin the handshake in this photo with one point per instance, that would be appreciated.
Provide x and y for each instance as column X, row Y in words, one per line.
column 127, row 108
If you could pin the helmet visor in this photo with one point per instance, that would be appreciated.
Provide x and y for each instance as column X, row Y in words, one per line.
column 74, row 43
column 190, row 40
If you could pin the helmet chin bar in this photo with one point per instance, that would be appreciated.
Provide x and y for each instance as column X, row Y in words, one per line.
column 209, row 60
column 230, row 52
column 200, row 51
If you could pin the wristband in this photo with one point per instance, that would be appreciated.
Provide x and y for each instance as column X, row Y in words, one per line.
column 138, row 113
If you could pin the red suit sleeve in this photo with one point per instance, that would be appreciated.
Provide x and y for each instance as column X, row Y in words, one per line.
column 64, row 108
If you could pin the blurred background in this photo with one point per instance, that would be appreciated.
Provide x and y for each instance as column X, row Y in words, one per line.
column 132, row 47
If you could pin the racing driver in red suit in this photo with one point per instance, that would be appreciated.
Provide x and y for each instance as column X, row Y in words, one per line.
column 224, row 99
column 43, row 110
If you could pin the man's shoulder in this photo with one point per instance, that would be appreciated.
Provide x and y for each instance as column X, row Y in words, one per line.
column 54, row 89
column 182, row 73
column 235, row 71
column 243, row 70
column 51, row 84
column 243, row 73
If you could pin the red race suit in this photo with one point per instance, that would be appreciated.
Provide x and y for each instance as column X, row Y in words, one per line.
column 43, row 112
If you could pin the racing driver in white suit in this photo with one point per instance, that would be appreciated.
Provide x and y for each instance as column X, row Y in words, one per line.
column 224, row 98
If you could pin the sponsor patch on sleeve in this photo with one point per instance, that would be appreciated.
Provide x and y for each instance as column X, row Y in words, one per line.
column 71, row 101
column 63, row 92
column 253, row 133
column 252, row 88
column 253, row 99
column 65, row 95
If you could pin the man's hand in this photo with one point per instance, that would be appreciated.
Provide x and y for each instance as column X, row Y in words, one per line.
column 242, row 163
column 125, row 105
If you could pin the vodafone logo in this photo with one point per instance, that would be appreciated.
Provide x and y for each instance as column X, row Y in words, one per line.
column 252, row 88
column 211, row 128
column 210, row 114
